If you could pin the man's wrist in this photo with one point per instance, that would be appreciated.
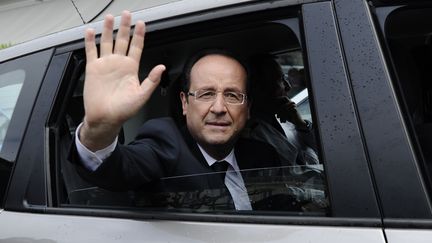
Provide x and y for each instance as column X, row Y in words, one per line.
column 92, row 160
column 97, row 137
column 306, row 127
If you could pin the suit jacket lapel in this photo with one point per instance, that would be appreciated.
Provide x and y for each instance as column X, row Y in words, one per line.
column 193, row 147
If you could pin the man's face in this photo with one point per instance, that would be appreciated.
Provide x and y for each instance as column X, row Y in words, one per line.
column 215, row 123
column 282, row 87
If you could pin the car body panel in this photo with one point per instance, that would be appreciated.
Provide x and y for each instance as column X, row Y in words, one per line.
column 42, row 18
column 408, row 235
column 201, row 9
column 62, row 229
column 36, row 19
column 350, row 93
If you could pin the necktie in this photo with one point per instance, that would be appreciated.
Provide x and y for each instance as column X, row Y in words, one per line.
column 221, row 167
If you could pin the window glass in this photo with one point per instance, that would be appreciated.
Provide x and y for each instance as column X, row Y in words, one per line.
column 285, row 176
column 10, row 87
column 409, row 37
column 293, row 68
column 20, row 80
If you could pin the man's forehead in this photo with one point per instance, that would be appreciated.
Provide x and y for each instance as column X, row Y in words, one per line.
column 235, row 83
column 216, row 68
column 217, row 59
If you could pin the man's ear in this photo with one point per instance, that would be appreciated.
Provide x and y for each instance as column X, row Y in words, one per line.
column 184, row 101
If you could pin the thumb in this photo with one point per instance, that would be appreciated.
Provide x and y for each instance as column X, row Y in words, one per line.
column 152, row 81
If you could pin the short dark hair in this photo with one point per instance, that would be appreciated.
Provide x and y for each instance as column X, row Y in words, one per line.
column 187, row 69
column 266, row 72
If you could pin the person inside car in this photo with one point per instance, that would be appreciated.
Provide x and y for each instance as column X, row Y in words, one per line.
column 295, row 142
column 214, row 102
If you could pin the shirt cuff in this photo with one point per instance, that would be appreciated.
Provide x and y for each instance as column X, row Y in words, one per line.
column 92, row 160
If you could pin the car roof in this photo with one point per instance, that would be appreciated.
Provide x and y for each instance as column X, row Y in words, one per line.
column 165, row 11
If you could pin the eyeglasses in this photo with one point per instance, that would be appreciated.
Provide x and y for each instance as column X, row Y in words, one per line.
column 230, row 97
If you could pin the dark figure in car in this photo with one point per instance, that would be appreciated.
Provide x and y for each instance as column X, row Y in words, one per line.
column 291, row 135
column 163, row 157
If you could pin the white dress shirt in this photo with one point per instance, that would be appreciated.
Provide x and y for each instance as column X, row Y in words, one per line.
column 233, row 179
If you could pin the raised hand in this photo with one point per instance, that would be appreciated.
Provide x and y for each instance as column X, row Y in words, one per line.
column 288, row 112
column 112, row 91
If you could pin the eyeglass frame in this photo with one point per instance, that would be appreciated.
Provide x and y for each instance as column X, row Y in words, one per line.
column 193, row 93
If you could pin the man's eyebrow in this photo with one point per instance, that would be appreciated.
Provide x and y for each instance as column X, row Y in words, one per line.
column 233, row 89
column 228, row 89
column 210, row 88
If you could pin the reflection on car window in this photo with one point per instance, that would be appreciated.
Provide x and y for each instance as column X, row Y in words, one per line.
column 10, row 87
column 269, row 189
column 303, row 108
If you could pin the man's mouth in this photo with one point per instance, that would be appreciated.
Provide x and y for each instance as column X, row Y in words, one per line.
column 218, row 123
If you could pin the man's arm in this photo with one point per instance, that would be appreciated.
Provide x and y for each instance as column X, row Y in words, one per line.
column 112, row 91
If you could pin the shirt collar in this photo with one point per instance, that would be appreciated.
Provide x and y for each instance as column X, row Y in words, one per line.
column 230, row 158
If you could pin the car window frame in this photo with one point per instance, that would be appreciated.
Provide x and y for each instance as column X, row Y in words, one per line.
column 291, row 23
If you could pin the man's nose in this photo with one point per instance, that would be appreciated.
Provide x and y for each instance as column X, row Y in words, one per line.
column 218, row 105
column 287, row 85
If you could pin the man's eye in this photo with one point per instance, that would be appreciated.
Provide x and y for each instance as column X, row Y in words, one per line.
column 232, row 96
column 206, row 95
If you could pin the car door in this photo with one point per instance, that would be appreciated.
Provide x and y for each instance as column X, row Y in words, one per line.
column 388, row 58
column 46, row 200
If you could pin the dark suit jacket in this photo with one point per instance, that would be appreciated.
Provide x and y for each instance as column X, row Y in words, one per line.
column 164, row 158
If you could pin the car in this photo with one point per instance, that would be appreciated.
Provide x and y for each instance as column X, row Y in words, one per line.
column 366, row 91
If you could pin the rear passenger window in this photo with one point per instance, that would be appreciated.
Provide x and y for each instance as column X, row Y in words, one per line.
column 10, row 87
column 408, row 34
column 295, row 184
column 19, row 84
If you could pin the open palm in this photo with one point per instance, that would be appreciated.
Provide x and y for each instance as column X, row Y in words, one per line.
column 112, row 91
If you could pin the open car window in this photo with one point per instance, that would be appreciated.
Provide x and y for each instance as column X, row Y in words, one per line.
column 294, row 188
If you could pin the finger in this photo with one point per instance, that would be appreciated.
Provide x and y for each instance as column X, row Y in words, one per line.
column 122, row 39
column 137, row 43
column 106, row 46
column 90, row 45
column 291, row 105
column 151, row 82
